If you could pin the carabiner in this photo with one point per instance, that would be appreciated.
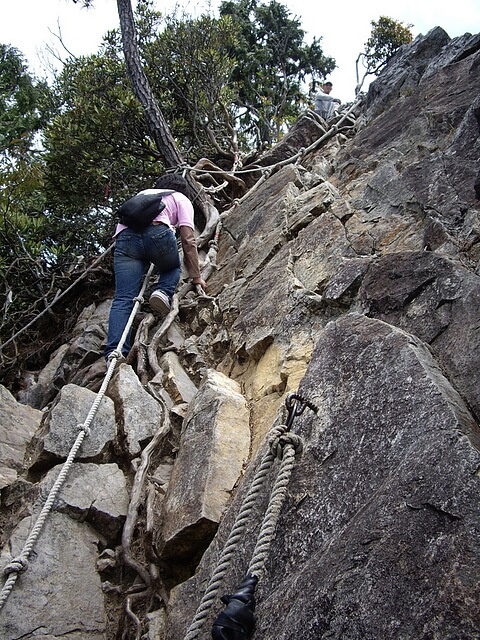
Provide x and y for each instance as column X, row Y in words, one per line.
column 296, row 405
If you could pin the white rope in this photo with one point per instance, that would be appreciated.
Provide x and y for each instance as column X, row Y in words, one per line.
column 281, row 445
column 20, row 563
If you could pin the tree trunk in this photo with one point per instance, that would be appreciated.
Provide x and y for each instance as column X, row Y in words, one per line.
column 156, row 123
column 141, row 87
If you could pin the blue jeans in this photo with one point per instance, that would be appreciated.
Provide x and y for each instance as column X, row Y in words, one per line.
column 134, row 251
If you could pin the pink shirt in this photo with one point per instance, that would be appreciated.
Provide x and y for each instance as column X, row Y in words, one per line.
column 178, row 211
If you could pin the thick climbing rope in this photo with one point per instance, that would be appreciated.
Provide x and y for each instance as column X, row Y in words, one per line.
column 287, row 447
column 20, row 563
column 229, row 550
column 282, row 445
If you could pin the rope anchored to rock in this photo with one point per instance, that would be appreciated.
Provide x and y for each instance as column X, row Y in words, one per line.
column 237, row 621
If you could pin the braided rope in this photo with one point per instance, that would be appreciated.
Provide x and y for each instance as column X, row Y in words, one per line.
column 226, row 556
column 281, row 446
column 272, row 515
column 20, row 563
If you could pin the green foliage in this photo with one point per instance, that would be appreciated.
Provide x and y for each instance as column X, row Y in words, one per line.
column 189, row 68
column 38, row 242
column 98, row 148
column 222, row 84
column 272, row 64
column 33, row 253
column 25, row 103
column 386, row 38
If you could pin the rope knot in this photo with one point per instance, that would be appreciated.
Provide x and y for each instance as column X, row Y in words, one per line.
column 17, row 565
column 278, row 445
column 294, row 441
column 114, row 354
column 275, row 435
column 279, row 439
column 139, row 299
column 86, row 429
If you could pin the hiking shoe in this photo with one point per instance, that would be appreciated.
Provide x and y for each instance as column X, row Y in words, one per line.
column 160, row 303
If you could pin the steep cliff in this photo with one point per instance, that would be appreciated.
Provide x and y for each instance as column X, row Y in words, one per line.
column 347, row 274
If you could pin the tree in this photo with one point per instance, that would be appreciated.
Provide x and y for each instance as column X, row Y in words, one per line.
column 190, row 67
column 98, row 147
column 386, row 37
column 99, row 141
column 25, row 107
column 157, row 125
column 272, row 65
column 225, row 83
column 156, row 122
column 24, row 103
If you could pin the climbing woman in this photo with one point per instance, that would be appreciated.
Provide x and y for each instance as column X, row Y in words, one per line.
column 156, row 243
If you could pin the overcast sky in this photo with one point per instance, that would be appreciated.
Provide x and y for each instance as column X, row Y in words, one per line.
column 30, row 25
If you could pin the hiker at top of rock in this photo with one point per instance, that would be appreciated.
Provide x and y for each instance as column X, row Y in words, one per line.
column 325, row 103
column 157, row 244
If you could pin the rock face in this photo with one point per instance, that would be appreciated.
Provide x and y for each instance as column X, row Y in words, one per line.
column 437, row 300
column 49, row 596
column 214, row 448
column 18, row 423
column 351, row 276
column 381, row 505
column 142, row 414
column 66, row 417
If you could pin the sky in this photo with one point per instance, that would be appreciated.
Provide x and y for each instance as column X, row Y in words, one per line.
column 33, row 26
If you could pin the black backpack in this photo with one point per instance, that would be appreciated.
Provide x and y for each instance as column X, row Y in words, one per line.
column 139, row 211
